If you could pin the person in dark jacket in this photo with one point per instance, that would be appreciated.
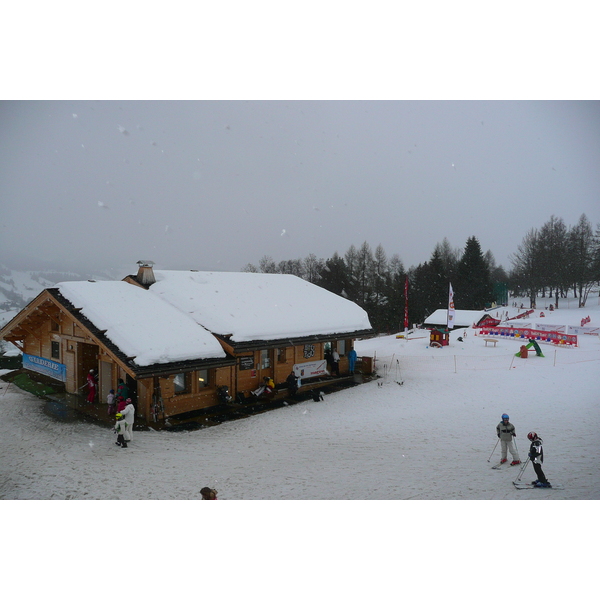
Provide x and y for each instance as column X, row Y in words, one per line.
column 292, row 383
column 208, row 493
column 536, row 454
column 122, row 389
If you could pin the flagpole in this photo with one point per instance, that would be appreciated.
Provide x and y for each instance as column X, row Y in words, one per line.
column 450, row 308
column 406, row 308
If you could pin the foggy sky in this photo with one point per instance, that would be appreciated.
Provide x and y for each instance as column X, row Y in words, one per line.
column 214, row 185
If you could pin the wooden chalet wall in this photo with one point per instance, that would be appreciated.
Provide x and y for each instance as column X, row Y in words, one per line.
column 197, row 397
column 281, row 363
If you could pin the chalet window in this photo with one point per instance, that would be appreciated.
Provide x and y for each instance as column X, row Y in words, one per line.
column 341, row 347
column 265, row 359
column 203, row 380
column 181, row 382
column 53, row 325
column 55, row 350
column 281, row 355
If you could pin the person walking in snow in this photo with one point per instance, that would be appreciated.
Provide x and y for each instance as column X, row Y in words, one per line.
column 111, row 400
column 536, row 454
column 129, row 416
column 506, row 432
column 120, row 430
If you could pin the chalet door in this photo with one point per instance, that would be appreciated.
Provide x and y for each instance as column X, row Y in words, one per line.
column 266, row 363
column 105, row 380
column 87, row 358
column 69, row 360
column 132, row 387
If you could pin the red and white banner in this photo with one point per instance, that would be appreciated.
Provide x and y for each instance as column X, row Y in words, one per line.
column 451, row 311
column 315, row 368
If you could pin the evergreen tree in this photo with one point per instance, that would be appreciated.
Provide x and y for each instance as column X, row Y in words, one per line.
column 418, row 300
column 439, row 283
column 450, row 257
column 333, row 276
column 396, row 280
column 473, row 287
column 364, row 266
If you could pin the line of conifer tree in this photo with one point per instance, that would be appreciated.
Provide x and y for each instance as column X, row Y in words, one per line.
column 544, row 262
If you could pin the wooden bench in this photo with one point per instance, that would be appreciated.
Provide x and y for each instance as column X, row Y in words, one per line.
column 491, row 340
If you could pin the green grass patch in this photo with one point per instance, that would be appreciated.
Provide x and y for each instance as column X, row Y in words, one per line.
column 26, row 383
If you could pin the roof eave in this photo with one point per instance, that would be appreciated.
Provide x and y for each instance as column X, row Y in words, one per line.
column 251, row 345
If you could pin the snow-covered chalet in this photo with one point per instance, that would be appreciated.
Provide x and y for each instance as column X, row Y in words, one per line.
column 177, row 337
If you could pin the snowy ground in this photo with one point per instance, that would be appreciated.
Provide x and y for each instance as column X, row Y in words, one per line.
column 427, row 439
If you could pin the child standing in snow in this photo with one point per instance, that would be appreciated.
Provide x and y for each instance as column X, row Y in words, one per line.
column 111, row 400
column 120, row 431
column 536, row 454
column 506, row 432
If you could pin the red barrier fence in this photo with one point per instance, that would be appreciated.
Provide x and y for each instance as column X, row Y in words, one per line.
column 549, row 337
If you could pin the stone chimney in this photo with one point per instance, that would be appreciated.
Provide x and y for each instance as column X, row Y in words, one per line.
column 145, row 274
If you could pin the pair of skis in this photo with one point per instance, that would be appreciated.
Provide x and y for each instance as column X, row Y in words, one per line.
column 504, row 464
column 522, row 485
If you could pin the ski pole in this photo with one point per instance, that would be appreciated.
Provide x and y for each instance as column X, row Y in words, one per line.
column 522, row 470
column 494, row 450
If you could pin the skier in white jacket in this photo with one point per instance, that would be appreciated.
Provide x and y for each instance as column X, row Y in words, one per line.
column 129, row 416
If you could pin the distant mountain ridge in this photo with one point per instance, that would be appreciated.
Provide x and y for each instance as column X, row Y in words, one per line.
column 18, row 288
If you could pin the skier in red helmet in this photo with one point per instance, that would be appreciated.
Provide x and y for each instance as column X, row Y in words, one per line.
column 536, row 454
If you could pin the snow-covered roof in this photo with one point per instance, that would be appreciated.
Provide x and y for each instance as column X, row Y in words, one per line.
column 175, row 319
column 140, row 324
column 462, row 318
column 258, row 306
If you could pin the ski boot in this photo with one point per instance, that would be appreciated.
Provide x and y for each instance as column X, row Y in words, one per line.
column 543, row 485
column 503, row 461
column 535, row 482
column 515, row 462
